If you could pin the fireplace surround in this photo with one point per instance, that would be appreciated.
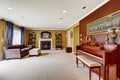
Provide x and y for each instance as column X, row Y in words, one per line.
column 45, row 44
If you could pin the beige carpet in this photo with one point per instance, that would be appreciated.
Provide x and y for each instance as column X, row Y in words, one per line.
column 51, row 65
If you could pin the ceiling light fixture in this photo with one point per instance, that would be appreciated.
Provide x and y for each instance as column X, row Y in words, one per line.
column 64, row 11
column 10, row 8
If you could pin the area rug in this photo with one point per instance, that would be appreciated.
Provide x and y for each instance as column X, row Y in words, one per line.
column 50, row 65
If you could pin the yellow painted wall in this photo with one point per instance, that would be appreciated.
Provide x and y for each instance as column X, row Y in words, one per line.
column 3, row 30
column 71, row 39
column 75, row 39
column 53, row 32
column 25, row 35
column 2, row 37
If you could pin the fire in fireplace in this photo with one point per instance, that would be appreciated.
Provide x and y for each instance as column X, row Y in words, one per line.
column 45, row 45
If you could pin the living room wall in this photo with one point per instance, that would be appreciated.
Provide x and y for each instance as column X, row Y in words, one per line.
column 2, row 37
column 107, row 9
column 75, row 39
column 53, row 32
column 3, row 33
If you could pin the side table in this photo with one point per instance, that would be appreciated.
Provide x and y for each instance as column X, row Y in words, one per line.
column 69, row 49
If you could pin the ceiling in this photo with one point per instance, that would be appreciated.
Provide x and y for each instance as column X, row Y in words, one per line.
column 47, row 14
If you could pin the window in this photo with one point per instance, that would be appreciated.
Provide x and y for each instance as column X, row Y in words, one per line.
column 16, row 36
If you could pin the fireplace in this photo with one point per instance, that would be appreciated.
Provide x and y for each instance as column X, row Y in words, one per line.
column 45, row 44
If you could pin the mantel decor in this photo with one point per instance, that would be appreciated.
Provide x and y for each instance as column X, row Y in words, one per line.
column 103, row 24
column 45, row 35
column 81, row 40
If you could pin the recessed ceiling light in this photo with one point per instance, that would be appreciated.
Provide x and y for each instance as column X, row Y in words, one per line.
column 28, row 22
column 61, row 18
column 10, row 8
column 22, row 17
column 84, row 7
column 59, row 22
column 64, row 11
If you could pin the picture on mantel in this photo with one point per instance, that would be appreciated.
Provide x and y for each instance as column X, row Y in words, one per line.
column 45, row 35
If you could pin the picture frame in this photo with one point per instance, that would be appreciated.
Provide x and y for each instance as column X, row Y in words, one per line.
column 103, row 25
column 45, row 35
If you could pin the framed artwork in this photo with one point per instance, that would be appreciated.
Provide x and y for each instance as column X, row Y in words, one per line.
column 45, row 35
column 104, row 24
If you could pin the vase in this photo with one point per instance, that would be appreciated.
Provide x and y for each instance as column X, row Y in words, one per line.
column 113, row 35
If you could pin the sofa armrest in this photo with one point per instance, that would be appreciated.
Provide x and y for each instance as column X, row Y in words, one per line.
column 12, row 53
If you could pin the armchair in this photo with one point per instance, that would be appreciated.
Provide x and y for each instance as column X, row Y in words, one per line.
column 16, row 51
column 12, row 53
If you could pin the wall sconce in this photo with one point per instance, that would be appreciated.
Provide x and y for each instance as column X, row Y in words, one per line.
column 88, row 39
column 1, row 40
column 81, row 39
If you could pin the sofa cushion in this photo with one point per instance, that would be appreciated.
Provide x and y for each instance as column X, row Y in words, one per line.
column 13, row 46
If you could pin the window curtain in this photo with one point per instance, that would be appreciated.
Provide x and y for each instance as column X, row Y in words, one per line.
column 9, row 33
column 22, row 34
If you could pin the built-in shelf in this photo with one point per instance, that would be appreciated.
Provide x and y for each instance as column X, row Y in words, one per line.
column 32, row 39
column 58, row 40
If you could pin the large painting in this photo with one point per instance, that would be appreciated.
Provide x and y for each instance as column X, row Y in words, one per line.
column 104, row 24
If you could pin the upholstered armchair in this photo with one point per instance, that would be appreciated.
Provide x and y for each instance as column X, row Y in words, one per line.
column 12, row 53
column 16, row 51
